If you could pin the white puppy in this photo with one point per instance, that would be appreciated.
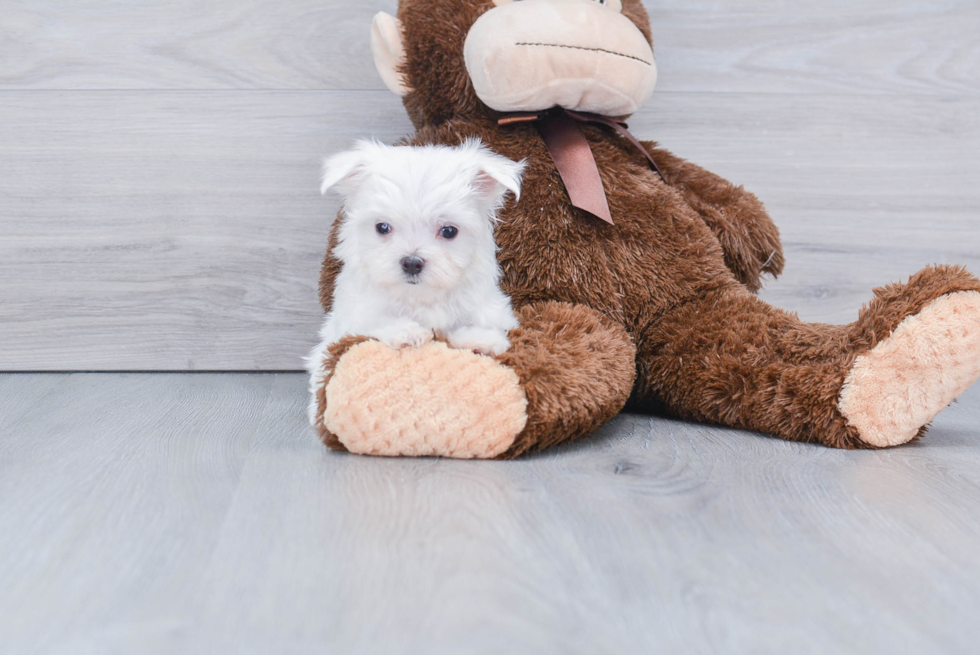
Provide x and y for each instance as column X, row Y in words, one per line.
column 417, row 248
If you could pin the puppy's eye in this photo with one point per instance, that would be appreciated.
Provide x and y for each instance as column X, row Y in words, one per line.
column 382, row 228
column 449, row 232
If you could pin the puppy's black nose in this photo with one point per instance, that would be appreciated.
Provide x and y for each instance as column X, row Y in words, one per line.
column 413, row 265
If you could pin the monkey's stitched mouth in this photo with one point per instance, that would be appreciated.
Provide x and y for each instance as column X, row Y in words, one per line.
column 578, row 47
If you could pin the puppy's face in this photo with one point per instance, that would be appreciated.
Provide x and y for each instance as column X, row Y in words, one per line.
column 430, row 240
column 419, row 220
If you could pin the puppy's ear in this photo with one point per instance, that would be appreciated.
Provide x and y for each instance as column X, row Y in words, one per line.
column 496, row 175
column 346, row 171
column 389, row 52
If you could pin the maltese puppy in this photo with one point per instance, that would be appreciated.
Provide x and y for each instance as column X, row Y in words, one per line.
column 417, row 248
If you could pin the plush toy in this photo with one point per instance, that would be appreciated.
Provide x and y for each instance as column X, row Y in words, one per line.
column 632, row 271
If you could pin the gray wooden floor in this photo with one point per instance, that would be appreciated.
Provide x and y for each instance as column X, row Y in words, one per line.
column 196, row 513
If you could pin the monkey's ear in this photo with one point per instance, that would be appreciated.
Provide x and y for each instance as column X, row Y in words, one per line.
column 389, row 52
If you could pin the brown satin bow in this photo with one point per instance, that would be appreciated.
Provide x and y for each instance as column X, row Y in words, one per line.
column 570, row 150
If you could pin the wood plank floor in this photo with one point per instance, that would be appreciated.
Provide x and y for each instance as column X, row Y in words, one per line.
column 196, row 513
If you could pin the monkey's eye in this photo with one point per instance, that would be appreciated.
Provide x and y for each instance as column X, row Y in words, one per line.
column 449, row 232
column 382, row 228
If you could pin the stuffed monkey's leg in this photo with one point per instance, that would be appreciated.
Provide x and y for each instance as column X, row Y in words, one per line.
column 730, row 358
column 568, row 370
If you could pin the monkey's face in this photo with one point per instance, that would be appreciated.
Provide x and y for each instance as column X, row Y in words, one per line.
column 530, row 55
column 517, row 55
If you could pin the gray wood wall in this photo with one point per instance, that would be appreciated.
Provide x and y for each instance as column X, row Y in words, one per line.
column 159, row 159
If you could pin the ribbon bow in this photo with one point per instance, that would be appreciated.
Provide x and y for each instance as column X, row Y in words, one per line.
column 562, row 133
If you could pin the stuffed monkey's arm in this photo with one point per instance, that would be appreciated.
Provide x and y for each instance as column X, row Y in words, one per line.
column 736, row 217
column 330, row 268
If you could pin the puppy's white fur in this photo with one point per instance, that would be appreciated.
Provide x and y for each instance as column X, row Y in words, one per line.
column 417, row 192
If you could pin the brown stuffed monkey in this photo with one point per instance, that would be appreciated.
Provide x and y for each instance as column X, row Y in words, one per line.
column 655, row 311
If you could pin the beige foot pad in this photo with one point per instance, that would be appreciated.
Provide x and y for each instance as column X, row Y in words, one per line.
column 929, row 360
column 432, row 400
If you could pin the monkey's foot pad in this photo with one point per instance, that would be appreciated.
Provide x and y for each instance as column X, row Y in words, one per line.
column 431, row 400
column 929, row 360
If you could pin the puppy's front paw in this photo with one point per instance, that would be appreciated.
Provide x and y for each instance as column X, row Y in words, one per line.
column 403, row 334
column 480, row 340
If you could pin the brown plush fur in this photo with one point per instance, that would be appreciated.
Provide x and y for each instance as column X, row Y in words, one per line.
column 576, row 367
column 673, row 278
